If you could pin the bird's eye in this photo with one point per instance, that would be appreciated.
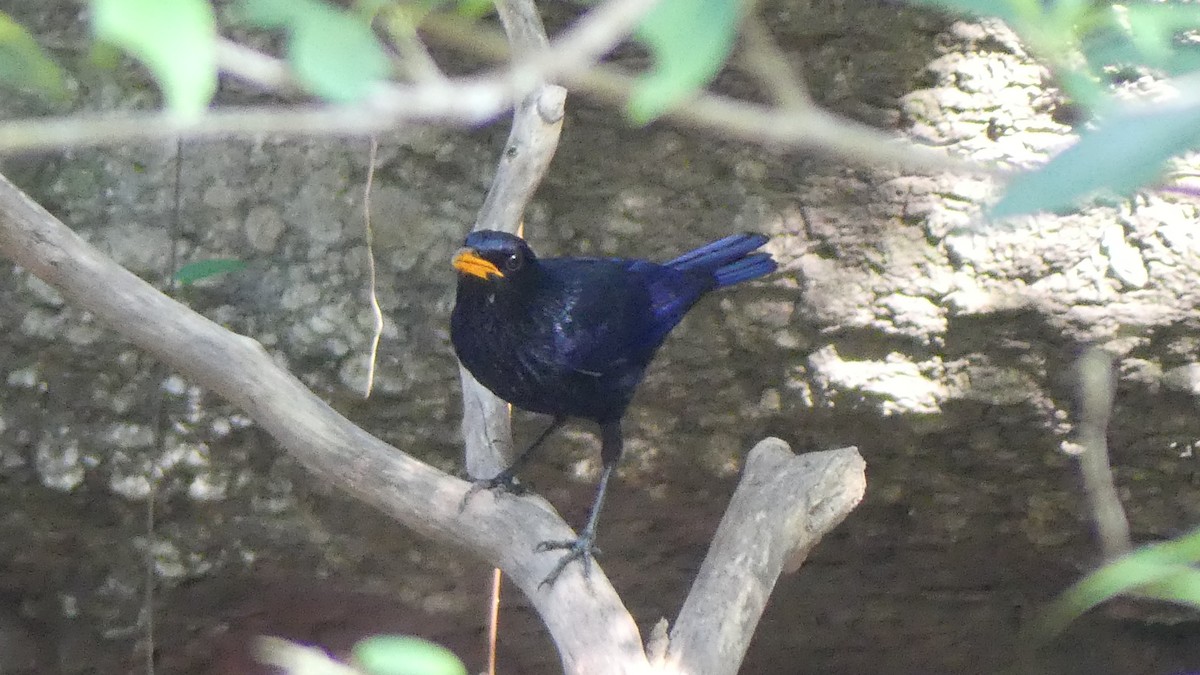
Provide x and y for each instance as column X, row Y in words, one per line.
column 512, row 263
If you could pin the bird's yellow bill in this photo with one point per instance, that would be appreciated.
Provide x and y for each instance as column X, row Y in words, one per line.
column 468, row 261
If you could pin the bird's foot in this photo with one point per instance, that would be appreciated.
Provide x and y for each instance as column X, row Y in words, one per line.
column 501, row 483
column 582, row 549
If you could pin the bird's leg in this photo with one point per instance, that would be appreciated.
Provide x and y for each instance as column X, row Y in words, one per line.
column 583, row 547
column 504, row 480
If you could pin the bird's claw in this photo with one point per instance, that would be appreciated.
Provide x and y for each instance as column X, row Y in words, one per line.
column 502, row 483
column 583, row 549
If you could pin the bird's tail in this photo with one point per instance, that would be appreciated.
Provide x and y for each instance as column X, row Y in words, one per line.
column 730, row 260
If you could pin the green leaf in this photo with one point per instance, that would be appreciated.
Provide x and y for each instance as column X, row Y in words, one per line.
column 274, row 13
column 334, row 53
column 474, row 9
column 202, row 269
column 1145, row 34
column 25, row 67
column 1165, row 571
column 690, row 40
column 1181, row 587
column 1125, row 153
column 338, row 58
column 403, row 655
column 1156, row 28
column 174, row 39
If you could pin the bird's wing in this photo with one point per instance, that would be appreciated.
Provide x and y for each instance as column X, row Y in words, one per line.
column 599, row 316
column 622, row 310
column 671, row 293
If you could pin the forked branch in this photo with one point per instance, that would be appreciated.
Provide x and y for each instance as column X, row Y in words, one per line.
column 799, row 496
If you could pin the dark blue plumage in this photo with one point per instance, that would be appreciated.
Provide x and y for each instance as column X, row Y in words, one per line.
column 571, row 337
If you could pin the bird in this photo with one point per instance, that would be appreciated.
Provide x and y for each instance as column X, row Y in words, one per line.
column 572, row 337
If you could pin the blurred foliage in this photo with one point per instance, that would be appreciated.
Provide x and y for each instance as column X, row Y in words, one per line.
column 377, row 655
column 337, row 56
column 1089, row 43
column 1089, row 46
column 25, row 67
column 333, row 52
column 405, row 655
column 690, row 40
column 1165, row 571
column 174, row 39
column 1123, row 152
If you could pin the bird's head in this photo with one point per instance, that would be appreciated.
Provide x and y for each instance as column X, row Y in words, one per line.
column 490, row 256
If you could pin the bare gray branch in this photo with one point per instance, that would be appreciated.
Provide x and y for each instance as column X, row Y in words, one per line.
column 783, row 505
